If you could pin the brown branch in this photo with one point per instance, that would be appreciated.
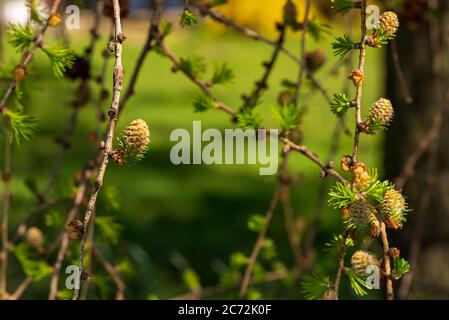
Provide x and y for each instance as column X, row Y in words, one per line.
column 361, row 67
column 220, row 18
column 113, row 113
column 219, row 289
column 158, row 6
column 88, row 172
column 21, row 288
column 202, row 85
column 322, row 194
column 262, row 234
column 341, row 264
column 335, row 138
column 42, row 203
column 89, row 249
column 327, row 169
column 81, row 190
column 387, row 263
column 113, row 272
column 262, row 84
column 290, row 225
column 302, row 54
column 206, row 10
column 28, row 56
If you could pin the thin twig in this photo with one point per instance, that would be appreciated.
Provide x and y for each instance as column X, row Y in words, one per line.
column 21, row 288
column 322, row 194
column 341, row 264
column 28, row 56
column 220, row 18
column 92, row 166
column 113, row 113
column 262, row 84
column 358, row 99
column 81, row 190
column 326, row 168
column 387, row 263
column 219, row 289
column 260, row 240
column 42, row 203
column 113, row 272
column 289, row 217
column 89, row 249
column 302, row 53
column 202, row 85
column 158, row 7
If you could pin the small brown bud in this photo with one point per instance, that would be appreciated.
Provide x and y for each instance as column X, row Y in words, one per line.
column 122, row 37
column 19, row 73
column 392, row 223
column 54, row 20
column 75, row 229
column 344, row 213
column 284, row 98
column 372, row 41
column 111, row 46
column 346, row 163
column 315, row 59
column 375, row 230
column 117, row 157
column 323, row 174
column 395, row 252
column 357, row 77
column 365, row 126
column 85, row 276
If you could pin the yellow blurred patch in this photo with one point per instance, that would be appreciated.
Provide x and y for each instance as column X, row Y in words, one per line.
column 260, row 15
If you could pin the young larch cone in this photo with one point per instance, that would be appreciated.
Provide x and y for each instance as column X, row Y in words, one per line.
column 362, row 178
column 361, row 213
column 136, row 136
column 34, row 237
column 382, row 111
column 392, row 208
column 389, row 22
column 361, row 260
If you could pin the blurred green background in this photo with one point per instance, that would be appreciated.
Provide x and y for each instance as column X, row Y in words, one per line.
column 177, row 218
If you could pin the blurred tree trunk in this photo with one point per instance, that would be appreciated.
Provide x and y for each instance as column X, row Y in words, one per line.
column 423, row 49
